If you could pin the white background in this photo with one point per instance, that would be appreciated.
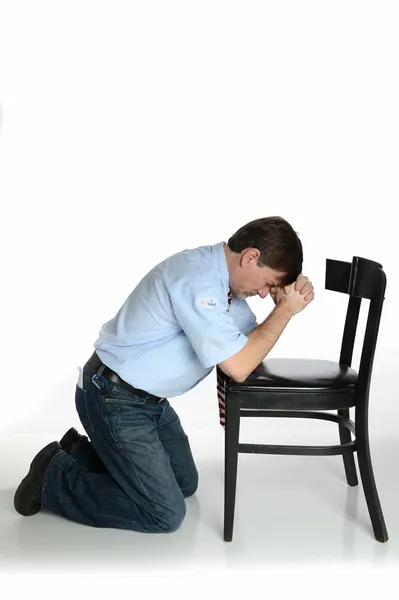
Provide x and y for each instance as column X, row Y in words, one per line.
column 132, row 130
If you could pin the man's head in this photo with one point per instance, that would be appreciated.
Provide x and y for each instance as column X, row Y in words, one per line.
column 262, row 254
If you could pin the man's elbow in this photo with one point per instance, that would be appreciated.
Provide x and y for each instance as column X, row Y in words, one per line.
column 236, row 374
column 239, row 377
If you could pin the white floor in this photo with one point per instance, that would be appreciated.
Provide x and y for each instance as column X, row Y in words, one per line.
column 290, row 511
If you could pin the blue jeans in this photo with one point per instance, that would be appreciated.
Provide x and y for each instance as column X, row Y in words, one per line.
column 135, row 471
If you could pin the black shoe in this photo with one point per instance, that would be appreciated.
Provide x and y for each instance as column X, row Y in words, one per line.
column 69, row 440
column 27, row 499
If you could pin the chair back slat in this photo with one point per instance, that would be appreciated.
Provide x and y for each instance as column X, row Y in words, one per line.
column 361, row 279
column 349, row 336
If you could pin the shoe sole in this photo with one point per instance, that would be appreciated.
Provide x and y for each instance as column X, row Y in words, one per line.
column 23, row 495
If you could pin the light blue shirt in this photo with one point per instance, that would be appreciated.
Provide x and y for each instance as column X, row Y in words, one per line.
column 176, row 325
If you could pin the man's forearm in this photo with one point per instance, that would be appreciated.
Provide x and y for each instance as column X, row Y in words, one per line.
column 263, row 338
column 260, row 341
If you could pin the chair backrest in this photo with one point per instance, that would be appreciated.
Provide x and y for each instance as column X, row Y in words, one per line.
column 360, row 279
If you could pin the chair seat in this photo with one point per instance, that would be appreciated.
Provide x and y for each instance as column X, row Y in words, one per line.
column 302, row 373
column 297, row 383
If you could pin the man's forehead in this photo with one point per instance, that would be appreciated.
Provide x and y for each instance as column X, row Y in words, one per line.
column 275, row 277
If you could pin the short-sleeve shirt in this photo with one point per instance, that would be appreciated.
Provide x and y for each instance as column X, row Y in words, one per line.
column 176, row 324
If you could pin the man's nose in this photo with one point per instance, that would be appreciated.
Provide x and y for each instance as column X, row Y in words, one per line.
column 264, row 291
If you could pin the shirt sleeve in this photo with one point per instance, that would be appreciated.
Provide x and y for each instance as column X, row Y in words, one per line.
column 201, row 309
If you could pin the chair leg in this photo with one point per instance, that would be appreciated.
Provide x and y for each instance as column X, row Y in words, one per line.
column 232, row 433
column 367, row 475
column 349, row 461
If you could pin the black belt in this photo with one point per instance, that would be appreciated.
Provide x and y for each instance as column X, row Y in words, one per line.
column 95, row 363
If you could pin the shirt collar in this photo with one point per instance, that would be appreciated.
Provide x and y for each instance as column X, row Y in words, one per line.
column 221, row 264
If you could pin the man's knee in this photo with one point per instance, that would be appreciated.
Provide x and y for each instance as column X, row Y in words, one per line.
column 171, row 519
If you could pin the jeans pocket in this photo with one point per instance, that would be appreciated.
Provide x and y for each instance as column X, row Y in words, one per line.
column 83, row 409
column 129, row 422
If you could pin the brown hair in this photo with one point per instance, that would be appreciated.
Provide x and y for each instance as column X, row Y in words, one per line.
column 279, row 245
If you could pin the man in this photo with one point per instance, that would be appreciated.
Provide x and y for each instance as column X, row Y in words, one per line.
column 185, row 316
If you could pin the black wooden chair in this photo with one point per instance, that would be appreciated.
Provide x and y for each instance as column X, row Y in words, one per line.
column 299, row 387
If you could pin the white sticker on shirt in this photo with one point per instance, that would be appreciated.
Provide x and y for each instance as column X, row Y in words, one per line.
column 208, row 302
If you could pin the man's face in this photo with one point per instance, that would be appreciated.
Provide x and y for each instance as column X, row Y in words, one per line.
column 249, row 279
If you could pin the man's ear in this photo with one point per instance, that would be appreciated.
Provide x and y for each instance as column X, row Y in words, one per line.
column 249, row 255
